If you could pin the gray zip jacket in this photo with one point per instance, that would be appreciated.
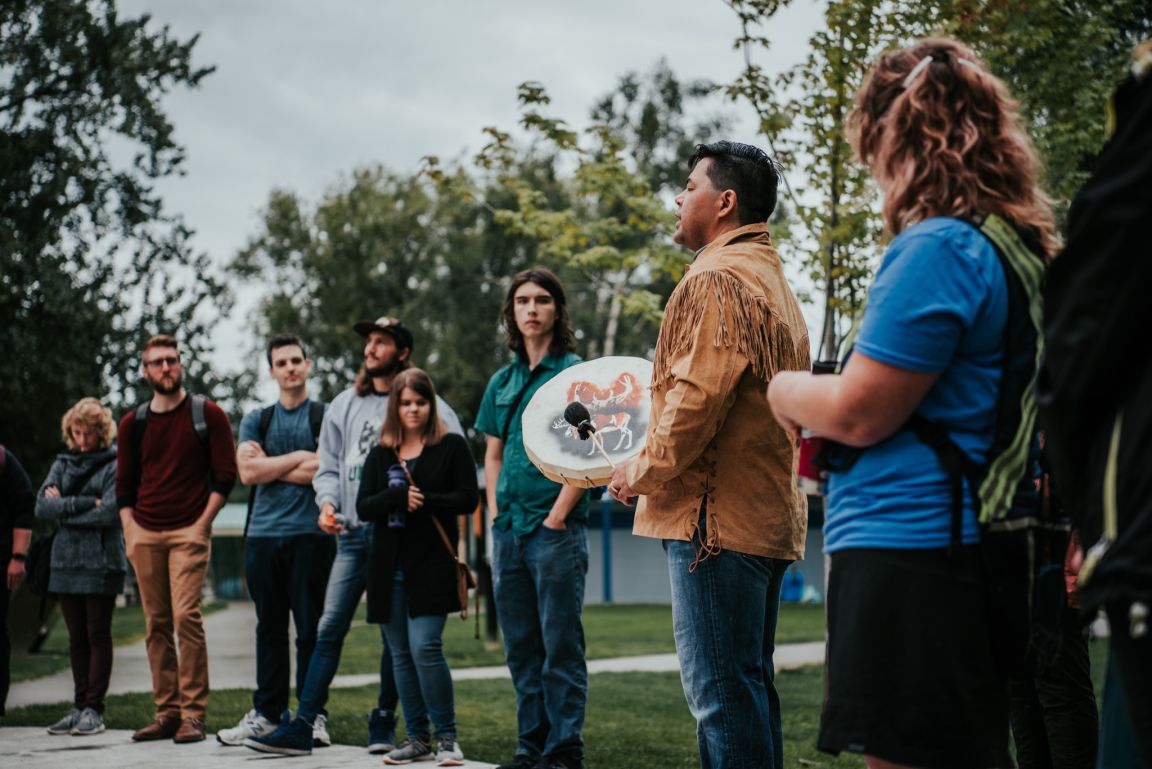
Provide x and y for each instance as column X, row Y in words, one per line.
column 88, row 553
column 350, row 429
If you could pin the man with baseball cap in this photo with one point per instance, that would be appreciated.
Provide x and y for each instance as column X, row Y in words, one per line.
column 350, row 429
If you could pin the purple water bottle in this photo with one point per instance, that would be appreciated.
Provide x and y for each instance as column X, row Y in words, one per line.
column 398, row 479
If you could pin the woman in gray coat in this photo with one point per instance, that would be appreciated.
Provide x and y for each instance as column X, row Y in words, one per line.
column 88, row 563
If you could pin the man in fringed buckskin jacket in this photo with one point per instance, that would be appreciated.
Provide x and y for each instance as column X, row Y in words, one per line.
column 717, row 473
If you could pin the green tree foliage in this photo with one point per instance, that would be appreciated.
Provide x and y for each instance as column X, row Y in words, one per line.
column 89, row 262
column 612, row 228
column 379, row 244
column 1061, row 58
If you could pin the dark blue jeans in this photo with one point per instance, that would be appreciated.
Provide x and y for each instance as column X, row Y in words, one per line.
column 286, row 576
column 724, row 618
column 346, row 584
column 538, row 582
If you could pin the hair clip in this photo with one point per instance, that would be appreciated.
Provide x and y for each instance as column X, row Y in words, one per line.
column 920, row 67
column 969, row 63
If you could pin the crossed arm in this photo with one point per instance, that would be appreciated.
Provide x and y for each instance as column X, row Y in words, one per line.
column 257, row 467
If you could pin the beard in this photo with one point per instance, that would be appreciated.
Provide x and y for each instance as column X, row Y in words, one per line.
column 167, row 388
column 388, row 368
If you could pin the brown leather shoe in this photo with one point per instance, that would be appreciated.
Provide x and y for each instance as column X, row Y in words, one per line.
column 163, row 728
column 191, row 730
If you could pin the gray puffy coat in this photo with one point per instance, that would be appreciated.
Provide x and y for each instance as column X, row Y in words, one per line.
column 88, row 554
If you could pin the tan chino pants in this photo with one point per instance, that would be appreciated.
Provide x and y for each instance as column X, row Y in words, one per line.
column 170, row 569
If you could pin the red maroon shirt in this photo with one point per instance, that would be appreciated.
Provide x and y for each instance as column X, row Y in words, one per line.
column 168, row 480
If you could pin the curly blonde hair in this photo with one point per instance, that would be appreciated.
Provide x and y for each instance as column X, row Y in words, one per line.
column 943, row 137
column 89, row 413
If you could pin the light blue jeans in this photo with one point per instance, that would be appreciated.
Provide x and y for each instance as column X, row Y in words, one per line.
column 724, row 620
column 422, row 675
column 346, row 584
column 538, row 581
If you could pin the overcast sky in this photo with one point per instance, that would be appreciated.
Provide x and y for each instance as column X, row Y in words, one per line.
column 304, row 91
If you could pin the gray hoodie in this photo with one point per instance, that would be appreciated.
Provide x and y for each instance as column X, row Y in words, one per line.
column 88, row 553
column 351, row 428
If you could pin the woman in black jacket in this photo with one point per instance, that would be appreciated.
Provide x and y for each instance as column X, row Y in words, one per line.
column 419, row 475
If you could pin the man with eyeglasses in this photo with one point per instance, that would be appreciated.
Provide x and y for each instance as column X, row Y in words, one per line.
column 286, row 556
column 174, row 469
column 351, row 428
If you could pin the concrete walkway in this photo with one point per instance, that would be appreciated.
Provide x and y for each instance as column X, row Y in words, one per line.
column 230, row 634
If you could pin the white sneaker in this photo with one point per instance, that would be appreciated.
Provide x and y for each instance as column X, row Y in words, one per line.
column 448, row 753
column 251, row 725
column 320, row 736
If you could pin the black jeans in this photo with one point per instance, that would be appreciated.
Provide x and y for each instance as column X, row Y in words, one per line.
column 1054, row 720
column 285, row 575
column 89, row 620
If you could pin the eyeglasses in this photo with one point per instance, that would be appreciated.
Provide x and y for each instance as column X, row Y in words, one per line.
column 162, row 362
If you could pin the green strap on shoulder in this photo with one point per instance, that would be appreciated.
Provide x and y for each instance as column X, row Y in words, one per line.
column 1007, row 469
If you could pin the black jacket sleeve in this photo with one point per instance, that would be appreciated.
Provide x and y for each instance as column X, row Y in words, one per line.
column 17, row 499
column 458, row 491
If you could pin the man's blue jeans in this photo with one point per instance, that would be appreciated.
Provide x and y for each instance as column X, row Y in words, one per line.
column 422, row 674
column 538, row 582
column 285, row 575
column 724, row 619
column 346, row 585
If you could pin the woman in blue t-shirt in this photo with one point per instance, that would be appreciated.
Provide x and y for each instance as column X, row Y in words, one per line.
column 911, row 672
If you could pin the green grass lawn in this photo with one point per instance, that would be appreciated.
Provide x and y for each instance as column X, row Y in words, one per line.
column 619, row 630
column 634, row 719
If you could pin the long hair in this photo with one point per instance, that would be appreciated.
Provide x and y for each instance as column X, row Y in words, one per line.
column 943, row 137
column 392, row 431
column 89, row 413
column 563, row 337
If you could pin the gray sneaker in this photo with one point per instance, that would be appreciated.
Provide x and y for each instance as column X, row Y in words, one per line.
column 89, row 722
column 409, row 751
column 65, row 724
column 448, row 752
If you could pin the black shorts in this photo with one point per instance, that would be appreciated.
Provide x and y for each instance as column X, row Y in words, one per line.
column 911, row 673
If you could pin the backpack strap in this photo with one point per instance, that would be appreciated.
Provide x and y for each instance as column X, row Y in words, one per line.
column 316, row 419
column 199, row 420
column 266, row 414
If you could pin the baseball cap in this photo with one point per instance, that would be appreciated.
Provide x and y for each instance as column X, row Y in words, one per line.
column 388, row 325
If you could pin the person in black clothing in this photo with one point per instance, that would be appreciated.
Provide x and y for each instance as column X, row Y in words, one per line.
column 417, row 480
column 17, row 505
column 1095, row 396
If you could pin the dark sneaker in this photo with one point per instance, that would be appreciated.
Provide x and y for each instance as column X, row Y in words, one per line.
column 65, row 724
column 291, row 738
column 520, row 761
column 448, row 752
column 561, row 761
column 381, row 731
column 89, row 722
column 410, row 751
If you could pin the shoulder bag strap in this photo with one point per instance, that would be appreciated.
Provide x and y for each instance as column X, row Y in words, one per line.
column 516, row 403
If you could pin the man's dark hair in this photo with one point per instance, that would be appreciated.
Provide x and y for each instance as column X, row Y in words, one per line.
column 563, row 337
column 285, row 340
column 746, row 170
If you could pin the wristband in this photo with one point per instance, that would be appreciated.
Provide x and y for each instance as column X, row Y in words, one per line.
column 19, row 556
